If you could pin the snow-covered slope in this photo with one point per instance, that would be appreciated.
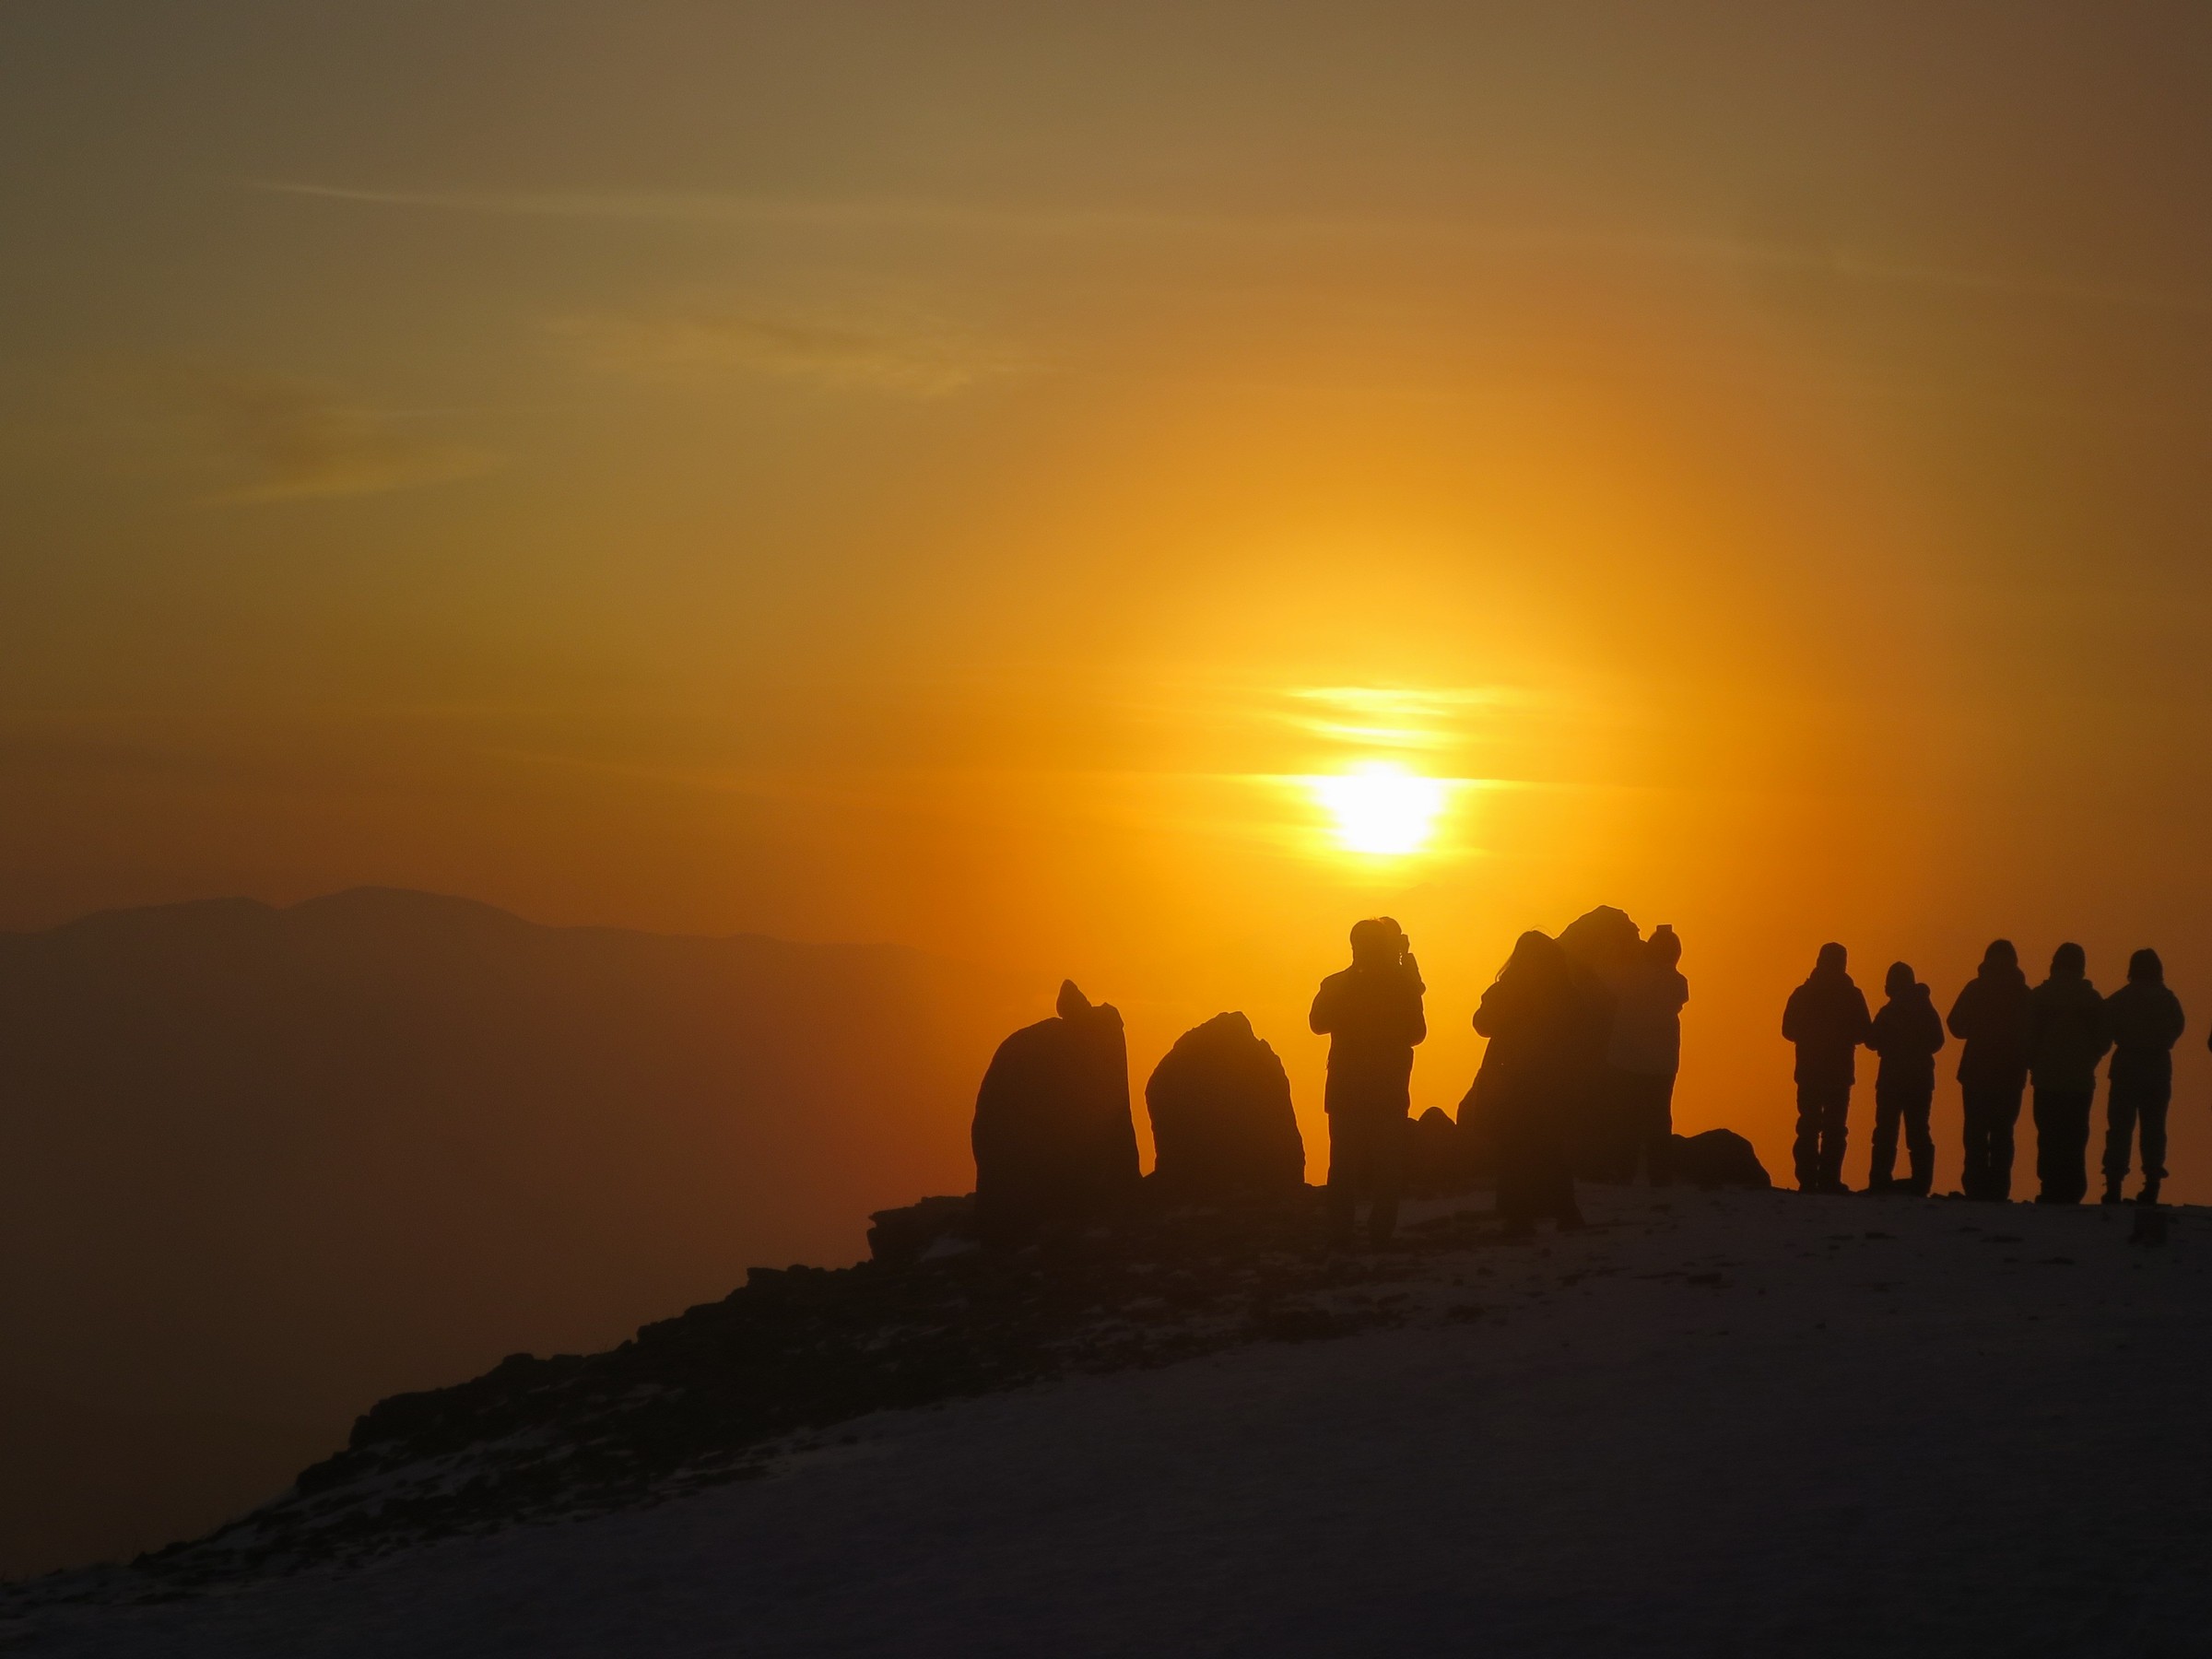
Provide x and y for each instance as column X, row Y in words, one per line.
column 1740, row 1424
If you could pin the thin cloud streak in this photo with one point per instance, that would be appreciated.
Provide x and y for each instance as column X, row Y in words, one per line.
column 892, row 214
column 903, row 356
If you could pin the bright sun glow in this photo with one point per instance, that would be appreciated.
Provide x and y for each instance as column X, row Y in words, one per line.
column 1382, row 809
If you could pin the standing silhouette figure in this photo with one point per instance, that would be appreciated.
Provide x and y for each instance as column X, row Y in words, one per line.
column 1541, row 1016
column 1908, row 1033
column 2069, row 1038
column 1372, row 1014
column 1607, row 953
column 1644, row 1051
column 2146, row 1021
column 1992, row 1016
column 1827, row 1020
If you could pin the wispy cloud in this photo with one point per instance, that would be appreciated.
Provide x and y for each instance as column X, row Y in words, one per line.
column 1392, row 717
column 299, row 441
column 898, row 353
column 1444, row 236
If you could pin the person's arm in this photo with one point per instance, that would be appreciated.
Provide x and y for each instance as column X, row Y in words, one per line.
column 2176, row 1022
column 1486, row 1013
column 1793, row 1012
column 1862, row 1030
column 1419, row 1024
column 1963, row 1014
column 1323, row 1017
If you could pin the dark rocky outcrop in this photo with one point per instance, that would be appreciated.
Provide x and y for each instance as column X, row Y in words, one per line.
column 707, row 1396
column 1719, row 1157
column 1437, row 1157
column 1055, row 1142
column 1222, row 1127
column 926, row 1227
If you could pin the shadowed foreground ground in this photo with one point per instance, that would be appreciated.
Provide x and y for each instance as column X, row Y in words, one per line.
column 1749, row 1424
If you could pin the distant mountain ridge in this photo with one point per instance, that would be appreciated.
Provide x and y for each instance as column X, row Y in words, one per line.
column 269, row 1163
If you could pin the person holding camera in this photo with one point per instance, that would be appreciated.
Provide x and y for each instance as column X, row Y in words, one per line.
column 1373, row 1015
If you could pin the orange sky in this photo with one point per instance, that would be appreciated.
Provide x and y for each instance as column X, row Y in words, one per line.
column 872, row 473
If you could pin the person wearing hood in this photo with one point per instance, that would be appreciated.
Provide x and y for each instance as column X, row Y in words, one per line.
column 2146, row 1021
column 1607, row 951
column 1907, row 1034
column 1644, row 1052
column 1372, row 1014
column 1992, row 1016
column 2069, row 1037
column 1827, row 1020
column 1541, row 1019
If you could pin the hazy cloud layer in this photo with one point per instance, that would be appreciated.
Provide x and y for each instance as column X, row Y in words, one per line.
column 1445, row 237
column 299, row 441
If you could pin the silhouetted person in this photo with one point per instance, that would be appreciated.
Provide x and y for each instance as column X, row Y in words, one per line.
column 2146, row 1021
column 1541, row 1019
column 1827, row 1020
column 1607, row 951
column 1907, row 1034
column 2070, row 1038
column 1993, row 1017
column 1372, row 1014
column 1644, row 1051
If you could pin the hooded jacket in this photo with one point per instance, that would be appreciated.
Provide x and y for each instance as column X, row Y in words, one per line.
column 1907, row 1034
column 1827, row 1020
column 1993, row 1017
column 2146, row 1021
column 2070, row 1035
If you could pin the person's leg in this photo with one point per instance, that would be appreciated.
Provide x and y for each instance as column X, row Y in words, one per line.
column 1386, row 1164
column 1883, row 1163
column 2119, row 1138
column 1919, row 1142
column 2061, row 1136
column 1657, row 1115
column 2043, row 1109
column 2075, row 1109
column 1558, row 1186
column 1835, row 1135
column 1344, row 1175
column 1973, row 1175
column 2004, row 1118
column 1805, row 1152
column 2151, row 1113
column 1517, row 1198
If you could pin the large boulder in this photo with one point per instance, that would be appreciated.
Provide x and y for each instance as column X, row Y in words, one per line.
column 1055, row 1142
column 1438, row 1160
column 1222, row 1125
column 1719, row 1157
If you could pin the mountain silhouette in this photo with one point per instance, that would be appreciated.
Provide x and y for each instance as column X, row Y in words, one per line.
column 259, row 1165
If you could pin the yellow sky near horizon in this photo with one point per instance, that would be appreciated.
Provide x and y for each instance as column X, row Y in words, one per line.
column 934, row 475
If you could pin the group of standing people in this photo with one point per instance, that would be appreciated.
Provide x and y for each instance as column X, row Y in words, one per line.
column 1585, row 1037
column 2053, row 1035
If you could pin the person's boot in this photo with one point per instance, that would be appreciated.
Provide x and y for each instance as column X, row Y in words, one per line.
column 2149, row 1194
column 2111, row 1190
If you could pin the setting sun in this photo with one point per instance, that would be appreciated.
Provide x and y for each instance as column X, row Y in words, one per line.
column 1382, row 809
